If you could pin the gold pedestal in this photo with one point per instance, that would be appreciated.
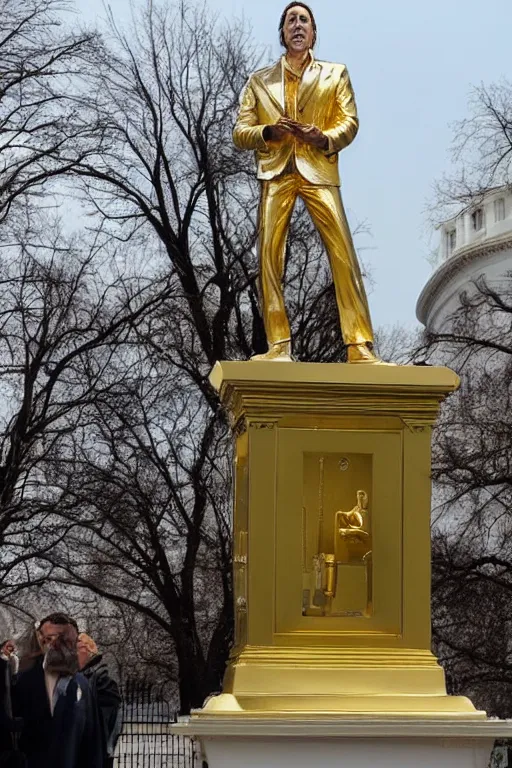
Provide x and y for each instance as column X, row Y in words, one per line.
column 332, row 541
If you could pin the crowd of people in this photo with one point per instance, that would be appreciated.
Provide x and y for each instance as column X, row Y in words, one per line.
column 59, row 707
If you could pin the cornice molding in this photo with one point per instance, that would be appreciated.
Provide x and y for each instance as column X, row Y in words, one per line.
column 260, row 394
column 454, row 265
column 292, row 725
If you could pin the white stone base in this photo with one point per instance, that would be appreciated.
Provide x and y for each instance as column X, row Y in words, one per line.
column 346, row 753
column 335, row 743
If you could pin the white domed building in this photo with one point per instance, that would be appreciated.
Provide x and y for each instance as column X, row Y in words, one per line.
column 476, row 242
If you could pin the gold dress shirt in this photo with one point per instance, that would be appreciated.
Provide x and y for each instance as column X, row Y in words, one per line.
column 292, row 80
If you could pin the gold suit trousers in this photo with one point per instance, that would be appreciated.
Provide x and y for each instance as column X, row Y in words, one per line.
column 325, row 207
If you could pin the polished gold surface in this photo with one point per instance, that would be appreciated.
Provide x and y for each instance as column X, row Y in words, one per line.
column 332, row 541
column 325, row 99
column 295, row 164
column 324, row 204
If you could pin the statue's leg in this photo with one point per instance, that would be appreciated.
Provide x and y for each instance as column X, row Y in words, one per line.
column 326, row 209
column 277, row 200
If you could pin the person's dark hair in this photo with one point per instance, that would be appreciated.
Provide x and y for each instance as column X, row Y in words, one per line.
column 283, row 17
column 58, row 618
column 4, row 642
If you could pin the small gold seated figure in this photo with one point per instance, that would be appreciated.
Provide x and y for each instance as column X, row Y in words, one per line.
column 350, row 524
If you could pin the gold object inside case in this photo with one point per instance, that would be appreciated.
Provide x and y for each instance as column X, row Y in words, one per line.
column 337, row 556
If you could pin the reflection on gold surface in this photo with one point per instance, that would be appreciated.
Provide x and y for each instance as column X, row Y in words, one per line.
column 337, row 556
column 240, row 587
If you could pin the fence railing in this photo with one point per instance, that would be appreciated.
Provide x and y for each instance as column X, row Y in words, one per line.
column 146, row 740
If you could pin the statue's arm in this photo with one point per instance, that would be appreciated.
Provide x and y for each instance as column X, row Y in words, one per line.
column 346, row 126
column 248, row 133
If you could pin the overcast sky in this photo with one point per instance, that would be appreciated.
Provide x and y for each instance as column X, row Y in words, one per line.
column 412, row 64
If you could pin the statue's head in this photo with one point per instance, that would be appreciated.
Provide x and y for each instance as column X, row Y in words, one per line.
column 297, row 28
column 362, row 499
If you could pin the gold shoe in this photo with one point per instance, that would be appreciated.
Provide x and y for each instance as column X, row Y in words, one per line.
column 280, row 351
column 361, row 353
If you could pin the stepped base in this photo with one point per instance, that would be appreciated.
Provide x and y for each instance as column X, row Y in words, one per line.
column 345, row 681
column 317, row 707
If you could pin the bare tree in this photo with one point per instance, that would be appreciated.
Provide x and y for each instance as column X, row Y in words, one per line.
column 146, row 499
column 66, row 312
column 165, row 165
column 481, row 150
column 41, row 63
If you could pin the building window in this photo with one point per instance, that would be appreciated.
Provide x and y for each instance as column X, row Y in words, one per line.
column 477, row 219
column 451, row 241
column 499, row 209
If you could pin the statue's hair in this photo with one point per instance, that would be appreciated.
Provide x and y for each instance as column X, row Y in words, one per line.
column 283, row 18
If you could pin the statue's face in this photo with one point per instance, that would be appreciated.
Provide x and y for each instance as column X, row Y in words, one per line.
column 298, row 30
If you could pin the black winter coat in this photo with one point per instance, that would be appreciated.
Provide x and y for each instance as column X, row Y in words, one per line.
column 5, row 695
column 70, row 738
column 108, row 699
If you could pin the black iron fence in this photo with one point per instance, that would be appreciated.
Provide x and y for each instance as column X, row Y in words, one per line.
column 146, row 740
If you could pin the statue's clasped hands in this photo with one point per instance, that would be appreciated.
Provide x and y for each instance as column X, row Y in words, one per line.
column 309, row 134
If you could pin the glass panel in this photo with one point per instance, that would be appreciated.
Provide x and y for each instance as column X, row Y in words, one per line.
column 337, row 536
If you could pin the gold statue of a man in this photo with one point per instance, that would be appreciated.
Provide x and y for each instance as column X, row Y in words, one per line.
column 297, row 115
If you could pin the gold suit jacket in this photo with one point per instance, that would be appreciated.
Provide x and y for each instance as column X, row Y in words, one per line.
column 325, row 99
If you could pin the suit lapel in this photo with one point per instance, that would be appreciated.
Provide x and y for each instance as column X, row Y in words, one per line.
column 308, row 83
column 272, row 82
